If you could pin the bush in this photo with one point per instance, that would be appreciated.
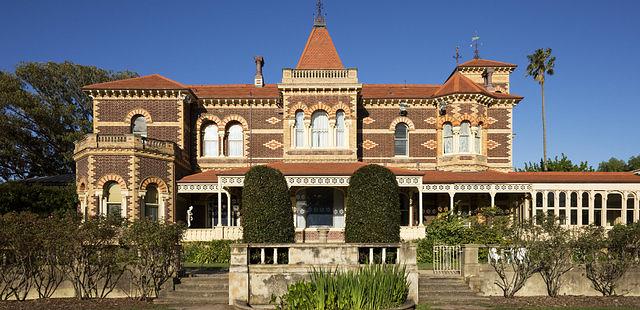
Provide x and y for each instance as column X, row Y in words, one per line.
column 210, row 252
column 373, row 206
column 267, row 212
column 371, row 287
column 21, row 197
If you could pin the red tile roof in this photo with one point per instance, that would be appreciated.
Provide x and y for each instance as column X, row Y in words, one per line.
column 485, row 63
column 491, row 176
column 458, row 83
column 240, row 91
column 154, row 81
column 398, row 91
column 319, row 52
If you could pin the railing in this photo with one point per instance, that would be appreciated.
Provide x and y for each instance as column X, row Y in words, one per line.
column 447, row 259
column 126, row 141
column 319, row 76
column 215, row 233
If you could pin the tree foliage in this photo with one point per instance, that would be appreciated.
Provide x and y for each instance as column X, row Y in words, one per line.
column 42, row 112
column 373, row 206
column 267, row 212
column 541, row 64
column 562, row 164
column 619, row 165
column 21, row 197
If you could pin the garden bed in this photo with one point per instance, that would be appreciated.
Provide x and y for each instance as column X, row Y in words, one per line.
column 567, row 302
column 73, row 304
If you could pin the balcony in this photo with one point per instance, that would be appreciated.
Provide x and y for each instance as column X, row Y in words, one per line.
column 127, row 141
column 327, row 76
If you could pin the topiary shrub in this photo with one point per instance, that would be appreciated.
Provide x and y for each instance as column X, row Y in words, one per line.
column 373, row 206
column 267, row 213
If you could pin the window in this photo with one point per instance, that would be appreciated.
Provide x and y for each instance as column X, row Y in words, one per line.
column 447, row 138
column 340, row 135
column 113, row 198
column 465, row 131
column 299, row 126
column 478, row 146
column 401, row 139
column 151, row 203
column 210, row 141
column 139, row 126
column 320, row 129
column 235, row 141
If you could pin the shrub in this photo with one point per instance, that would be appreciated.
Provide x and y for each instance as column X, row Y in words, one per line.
column 371, row 287
column 153, row 254
column 267, row 212
column 209, row 252
column 373, row 206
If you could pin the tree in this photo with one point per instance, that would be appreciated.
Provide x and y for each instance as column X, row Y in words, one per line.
column 563, row 164
column 19, row 197
column 612, row 165
column 43, row 110
column 373, row 206
column 633, row 163
column 267, row 212
column 554, row 252
column 541, row 63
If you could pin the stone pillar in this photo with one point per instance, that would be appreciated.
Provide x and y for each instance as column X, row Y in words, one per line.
column 493, row 199
column 229, row 208
column 221, row 142
column 534, row 203
column 451, row 196
column 420, row 209
column 603, row 215
column 410, row 209
column 545, row 203
column 592, row 207
column 239, row 274
column 636, row 208
column 526, row 210
column 623, row 208
column 470, row 264
column 219, row 206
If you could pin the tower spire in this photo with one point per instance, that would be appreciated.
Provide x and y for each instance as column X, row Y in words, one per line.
column 319, row 20
column 475, row 40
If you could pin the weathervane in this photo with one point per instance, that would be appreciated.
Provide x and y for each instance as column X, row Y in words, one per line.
column 319, row 19
column 457, row 56
column 475, row 41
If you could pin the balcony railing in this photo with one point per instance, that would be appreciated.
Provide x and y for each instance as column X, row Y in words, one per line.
column 125, row 141
column 295, row 76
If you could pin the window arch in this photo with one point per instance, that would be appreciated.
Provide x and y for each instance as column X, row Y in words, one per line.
column 151, row 202
column 340, row 129
column 447, row 138
column 139, row 125
column 210, row 138
column 320, row 129
column 401, row 139
column 235, row 141
column 112, row 196
column 299, row 129
column 465, row 135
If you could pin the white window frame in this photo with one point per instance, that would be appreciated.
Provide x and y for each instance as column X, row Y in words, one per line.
column 210, row 135
column 320, row 130
column 405, row 139
column 235, row 141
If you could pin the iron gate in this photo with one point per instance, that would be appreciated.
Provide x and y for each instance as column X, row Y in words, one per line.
column 447, row 259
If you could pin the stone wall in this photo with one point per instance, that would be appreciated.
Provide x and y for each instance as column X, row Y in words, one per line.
column 256, row 283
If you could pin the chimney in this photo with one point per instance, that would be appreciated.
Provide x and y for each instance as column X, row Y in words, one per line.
column 258, row 81
column 488, row 79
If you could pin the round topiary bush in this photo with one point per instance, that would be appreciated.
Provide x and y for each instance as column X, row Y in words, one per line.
column 373, row 206
column 267, row 213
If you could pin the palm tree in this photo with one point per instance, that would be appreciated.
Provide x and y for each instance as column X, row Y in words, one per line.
column 540, row 64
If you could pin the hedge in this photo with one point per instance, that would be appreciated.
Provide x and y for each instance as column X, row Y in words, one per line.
column 267, row 212
column 207, row 252
column 373, row 206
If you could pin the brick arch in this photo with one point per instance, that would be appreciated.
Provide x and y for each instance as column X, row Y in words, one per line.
column 207, row 117
column 111, row 177
column 324, row 107
column 234, row 117
column 162, row 186
column 344, row 107
column 298, row 106
column 402, row 119
column 139, row 111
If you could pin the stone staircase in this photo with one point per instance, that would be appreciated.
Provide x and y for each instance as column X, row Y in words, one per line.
column 448, row 292
column 197, row 290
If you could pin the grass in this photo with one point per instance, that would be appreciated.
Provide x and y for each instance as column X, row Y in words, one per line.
column 425, row 266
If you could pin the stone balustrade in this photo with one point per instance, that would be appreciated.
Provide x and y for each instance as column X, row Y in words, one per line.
column 306, row 76
column 126, row 141
column 215, row 233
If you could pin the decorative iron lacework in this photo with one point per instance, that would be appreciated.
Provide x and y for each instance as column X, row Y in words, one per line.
column 474, row 187
column 197, row 188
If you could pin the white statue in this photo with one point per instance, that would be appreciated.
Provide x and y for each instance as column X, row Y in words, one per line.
column 189, row 216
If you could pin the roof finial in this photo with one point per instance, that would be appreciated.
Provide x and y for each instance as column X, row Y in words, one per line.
column 457, row 56
column 319, row 20
column 474, row 43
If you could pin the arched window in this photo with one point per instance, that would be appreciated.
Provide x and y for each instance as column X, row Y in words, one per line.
column 447, row 138
column 320, row 129
column 139, row 126
column 235, row 141
column 401, row 139
column 151, row 203
column 299, row 138
column 465, row 135
column 210, row 141
column 340, row 134
column 113, row 198
column 478, row 140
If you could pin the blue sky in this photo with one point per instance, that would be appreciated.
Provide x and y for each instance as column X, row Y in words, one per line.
column 592, row 101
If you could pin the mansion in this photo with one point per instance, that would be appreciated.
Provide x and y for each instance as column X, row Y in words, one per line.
column 179, row 152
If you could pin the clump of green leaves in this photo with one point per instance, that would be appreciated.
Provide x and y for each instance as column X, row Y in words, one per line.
column 370, row 287
column 207, row 252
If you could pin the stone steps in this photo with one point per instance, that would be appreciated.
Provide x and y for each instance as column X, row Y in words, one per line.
column 448, row 292
column 197, row 290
